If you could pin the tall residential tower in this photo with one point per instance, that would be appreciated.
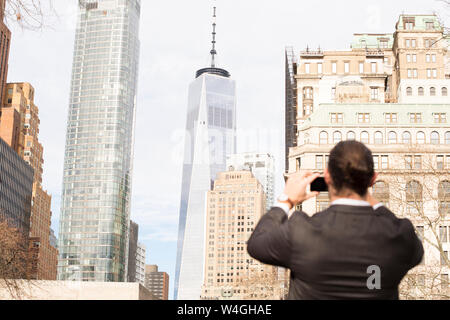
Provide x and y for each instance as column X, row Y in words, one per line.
column 95, row 209
column 211, row 132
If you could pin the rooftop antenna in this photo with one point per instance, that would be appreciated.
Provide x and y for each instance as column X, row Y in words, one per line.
column 213, row 50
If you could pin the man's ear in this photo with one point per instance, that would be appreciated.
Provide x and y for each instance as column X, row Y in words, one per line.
column 374, row 179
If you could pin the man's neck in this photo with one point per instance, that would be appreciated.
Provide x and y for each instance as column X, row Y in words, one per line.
column 352, row 196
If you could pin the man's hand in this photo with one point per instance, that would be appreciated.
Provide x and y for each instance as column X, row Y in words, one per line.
column 297, row 185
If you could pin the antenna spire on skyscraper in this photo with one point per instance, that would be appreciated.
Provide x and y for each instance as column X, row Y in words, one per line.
column 213, row 50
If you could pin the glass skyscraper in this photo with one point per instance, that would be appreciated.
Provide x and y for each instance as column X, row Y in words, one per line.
column 211, row 133
column 95, row 208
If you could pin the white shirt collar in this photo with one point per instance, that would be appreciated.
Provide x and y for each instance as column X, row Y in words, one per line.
column 351, row 202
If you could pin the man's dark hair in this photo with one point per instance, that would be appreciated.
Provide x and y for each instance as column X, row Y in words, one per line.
column 351, row 167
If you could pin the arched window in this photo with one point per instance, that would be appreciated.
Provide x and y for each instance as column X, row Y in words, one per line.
column 352, row 136
column 435, row 138
column 392, row 137
column 444, row 197
column 420, row 91
column 444, row 91
column 409, row 91
column 365, row 137
column 432, row 91
column 378, row 137
column 381, row 192
column 414, row 197
column 337, row 137
column 447, row 137
column 324, row 137
column 406, row 137
column 420, row 138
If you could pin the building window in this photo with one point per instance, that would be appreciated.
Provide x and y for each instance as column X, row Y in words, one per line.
column 415, row 117
column 420, row 138
column 406, row 137
column 432, row 91
column 319, row 162
column 440, row 162
column 324, row 137
column 378, row 137
column 447, row 137
column 409, row 23
column 333, row 93
column 408, row 162
column 444, row 92
column 374, row 67
column 337, row 137
column 413, row 162
column 435, row 138
column 409, row 91
column 365, row 137
column 444, row 198
column 391, row 117
column 361, row 67
column 444, row 258
column 307, row 109
column 351, row 136
column 381, row 192
column 421, row 91
column 334, row 67
column 307, row 68
column 374, row 93
column 319, row 68
column 392, row 137
column 440, row 117
column 384, row 162
column 363, row 117
column 381, row 162
column 414, row 196
column 347, row 67
column 429, row 25
column 307, row 93
column 337, row 117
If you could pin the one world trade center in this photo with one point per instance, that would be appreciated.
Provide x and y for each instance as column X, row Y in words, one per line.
column 210, row 136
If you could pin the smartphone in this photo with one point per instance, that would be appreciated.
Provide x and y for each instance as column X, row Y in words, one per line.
column 319, row 185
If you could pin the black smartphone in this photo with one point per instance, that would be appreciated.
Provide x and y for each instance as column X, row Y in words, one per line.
column 319, row 185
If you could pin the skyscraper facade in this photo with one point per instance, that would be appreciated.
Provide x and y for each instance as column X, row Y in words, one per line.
column 210, row 136
column 234, row 207
column 262, row 165
column 19, row 99
column 95, row 208
column 5, row 40
column 16, row 186
column 157, row 282
column 141, row 253
column 132, row 251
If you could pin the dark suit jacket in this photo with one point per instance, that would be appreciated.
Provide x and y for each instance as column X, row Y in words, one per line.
column 329, row 254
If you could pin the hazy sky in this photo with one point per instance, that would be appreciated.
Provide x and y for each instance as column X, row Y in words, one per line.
column 175, row 42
